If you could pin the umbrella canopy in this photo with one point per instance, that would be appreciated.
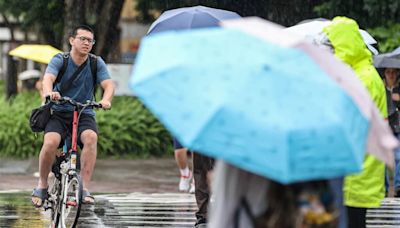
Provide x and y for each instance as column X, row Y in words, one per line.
column 190, row 17
column 381, row 142
column 311, row 28
column 36, row 52
column 28, row 74
column 255, row 104
column 396, row 52
column 386, row 61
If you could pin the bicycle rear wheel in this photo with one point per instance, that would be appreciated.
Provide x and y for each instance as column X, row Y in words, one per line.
column 72, row 201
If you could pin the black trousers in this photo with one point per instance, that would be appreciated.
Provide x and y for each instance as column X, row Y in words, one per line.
column 356, row 217
column 201, row 166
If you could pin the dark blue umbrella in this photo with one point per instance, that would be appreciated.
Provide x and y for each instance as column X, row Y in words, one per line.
column 189, row 18
column 388, row 60
column 395, row 53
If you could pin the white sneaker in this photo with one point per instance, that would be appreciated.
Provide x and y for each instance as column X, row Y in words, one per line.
column 184, row 183
column 192, row 187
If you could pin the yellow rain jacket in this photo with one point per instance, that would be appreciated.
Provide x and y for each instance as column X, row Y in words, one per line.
column 365, row 189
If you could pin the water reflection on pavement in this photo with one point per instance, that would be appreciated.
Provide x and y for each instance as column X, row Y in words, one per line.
column 115, row 210
column 16, row 211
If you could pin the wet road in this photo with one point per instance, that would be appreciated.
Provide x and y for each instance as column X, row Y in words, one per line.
column 116, row 210
column 387, row 216
column 146, row 210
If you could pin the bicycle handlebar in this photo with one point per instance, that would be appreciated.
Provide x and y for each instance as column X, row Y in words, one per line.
column 75, row 103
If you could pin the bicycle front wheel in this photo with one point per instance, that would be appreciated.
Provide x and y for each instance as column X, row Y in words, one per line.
column 55, row 201
column 72, row 201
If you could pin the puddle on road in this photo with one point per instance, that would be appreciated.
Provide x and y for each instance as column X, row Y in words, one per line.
column 16, row 210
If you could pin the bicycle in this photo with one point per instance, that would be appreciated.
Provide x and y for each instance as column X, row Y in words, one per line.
column 65, row 194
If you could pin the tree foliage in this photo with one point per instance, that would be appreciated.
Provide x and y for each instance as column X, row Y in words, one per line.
column 46, row 18
column 377, row 16
column 53, row 19
column 283, row 12
column 388, row 36
column 368, row 13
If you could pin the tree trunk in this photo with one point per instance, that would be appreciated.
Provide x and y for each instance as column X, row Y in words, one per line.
column 74, row 16
column 107, row 31
column 11, row 73
column 11, row 76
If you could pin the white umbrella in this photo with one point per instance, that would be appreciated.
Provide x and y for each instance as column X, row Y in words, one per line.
column 311, row 28
column 28, row 74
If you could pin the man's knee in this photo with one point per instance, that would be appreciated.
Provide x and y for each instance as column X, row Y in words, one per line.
column 51, row 141
column 89, row 139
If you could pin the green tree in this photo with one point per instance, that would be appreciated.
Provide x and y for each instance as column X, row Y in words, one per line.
column 283, row 12
column 102, row 15
column 46, row 19
column 377, row 16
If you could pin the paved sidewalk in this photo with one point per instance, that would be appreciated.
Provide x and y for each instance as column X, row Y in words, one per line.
column 110, row 176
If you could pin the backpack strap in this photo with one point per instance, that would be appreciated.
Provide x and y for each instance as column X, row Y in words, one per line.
column 65, row 56
column 93, row 69
column 67, row 84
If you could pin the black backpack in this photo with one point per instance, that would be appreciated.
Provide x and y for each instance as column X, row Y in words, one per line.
column 93, row 69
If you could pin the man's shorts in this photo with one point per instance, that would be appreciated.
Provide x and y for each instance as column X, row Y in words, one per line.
column 61, row 123
column 177, row 144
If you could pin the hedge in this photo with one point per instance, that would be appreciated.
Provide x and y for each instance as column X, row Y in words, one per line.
column 127, row 130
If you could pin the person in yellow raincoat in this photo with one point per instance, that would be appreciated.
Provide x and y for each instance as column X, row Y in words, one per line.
column 365, row 189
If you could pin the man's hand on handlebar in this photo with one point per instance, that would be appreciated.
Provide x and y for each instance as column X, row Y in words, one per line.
column 55, row 96
column 105, row 104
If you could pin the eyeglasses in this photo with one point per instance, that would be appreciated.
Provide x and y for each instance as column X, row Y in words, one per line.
column 83, row 39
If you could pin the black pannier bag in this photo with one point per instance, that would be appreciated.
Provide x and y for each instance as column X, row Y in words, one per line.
column 39, row 117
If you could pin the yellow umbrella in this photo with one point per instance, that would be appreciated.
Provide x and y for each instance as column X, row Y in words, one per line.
column 37, row 52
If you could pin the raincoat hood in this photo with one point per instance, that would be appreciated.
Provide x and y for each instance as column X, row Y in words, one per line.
column 350, row 48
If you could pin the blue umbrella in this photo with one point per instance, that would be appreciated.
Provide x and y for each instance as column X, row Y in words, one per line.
column 262, row 107
column 190, row 17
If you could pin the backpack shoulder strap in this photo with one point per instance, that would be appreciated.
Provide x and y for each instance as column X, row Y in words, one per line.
column 93, row 69
column 65, row 56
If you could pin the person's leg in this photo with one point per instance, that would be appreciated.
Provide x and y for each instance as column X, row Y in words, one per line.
column 387, row 182
column 181, row 158
column 46, row 159
column 88, row 159
column 87, row 135
column 397, row 172
column 356, row 217
column 201, row 166
column 336, row 186
column 186, row 175
column 182, row 161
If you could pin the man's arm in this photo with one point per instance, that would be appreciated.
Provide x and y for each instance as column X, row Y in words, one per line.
column 47, row 85
column 108, row 87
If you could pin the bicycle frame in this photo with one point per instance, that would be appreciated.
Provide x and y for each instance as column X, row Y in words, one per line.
column 74, row 139
column 59, row 201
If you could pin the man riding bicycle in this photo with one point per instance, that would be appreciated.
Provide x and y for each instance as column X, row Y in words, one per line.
column 81, row 80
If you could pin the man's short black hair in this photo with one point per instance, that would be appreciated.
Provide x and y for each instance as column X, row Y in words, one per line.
column 74, row 32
